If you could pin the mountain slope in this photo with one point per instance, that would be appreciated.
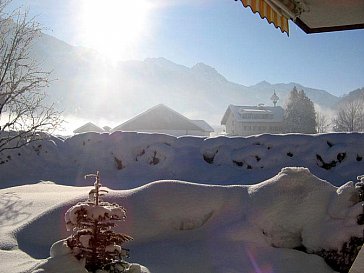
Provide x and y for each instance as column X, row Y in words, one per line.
column 353, row 95
column 320, row 97
column 88, row 86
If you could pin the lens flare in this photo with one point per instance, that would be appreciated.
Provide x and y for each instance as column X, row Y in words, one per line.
column 263, row 268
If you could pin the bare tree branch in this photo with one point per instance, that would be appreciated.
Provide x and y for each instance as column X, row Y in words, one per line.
column 24, row 115
column 322, row 123
column 350, row 116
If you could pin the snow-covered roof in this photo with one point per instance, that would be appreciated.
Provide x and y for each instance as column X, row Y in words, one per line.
column 246, row 110
column 88, row 127
column 203, row 125
column 159, row 117
column 237, row 112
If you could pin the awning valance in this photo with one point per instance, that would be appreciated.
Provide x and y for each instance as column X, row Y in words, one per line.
column 268, row 10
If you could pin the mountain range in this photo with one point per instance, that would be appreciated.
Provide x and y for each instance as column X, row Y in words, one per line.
column 85, row 85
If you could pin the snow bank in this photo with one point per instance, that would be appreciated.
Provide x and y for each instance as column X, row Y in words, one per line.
column 187, row 227
column 61, row 260
column 128, row 159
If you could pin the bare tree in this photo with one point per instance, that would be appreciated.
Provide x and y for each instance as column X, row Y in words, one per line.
column 24, row 115
column 350, row 116
column 322, row 122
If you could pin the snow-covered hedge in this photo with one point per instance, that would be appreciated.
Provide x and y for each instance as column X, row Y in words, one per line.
column 129, row 159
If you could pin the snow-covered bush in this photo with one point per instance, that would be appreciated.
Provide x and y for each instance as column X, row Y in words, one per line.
column 93, row 239
column 342, row 259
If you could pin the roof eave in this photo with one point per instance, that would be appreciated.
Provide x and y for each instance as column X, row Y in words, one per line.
column 226, row 115
column 310, row 30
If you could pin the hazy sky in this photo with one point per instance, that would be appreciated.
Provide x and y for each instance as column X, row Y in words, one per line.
column 220, row 33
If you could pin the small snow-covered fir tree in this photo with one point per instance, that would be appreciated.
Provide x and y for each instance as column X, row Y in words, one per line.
column 93, row 238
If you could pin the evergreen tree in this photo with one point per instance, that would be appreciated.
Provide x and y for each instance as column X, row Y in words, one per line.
column 300, row 114
column 93, row 239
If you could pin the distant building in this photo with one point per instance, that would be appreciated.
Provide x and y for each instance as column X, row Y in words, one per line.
column 88, row 127
column 107, row 128
column 203, row 125
column 162, row 119
column 253, row 120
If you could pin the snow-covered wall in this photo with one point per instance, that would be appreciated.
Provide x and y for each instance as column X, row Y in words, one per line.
column 127, row 159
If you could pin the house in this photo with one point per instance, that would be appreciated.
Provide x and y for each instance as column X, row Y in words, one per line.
column 203, row 125
column 88, row 127
column 107, row 128
column 162, row 119
column 253, row 120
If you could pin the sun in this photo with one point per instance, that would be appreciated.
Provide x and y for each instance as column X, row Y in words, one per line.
column 114, row 27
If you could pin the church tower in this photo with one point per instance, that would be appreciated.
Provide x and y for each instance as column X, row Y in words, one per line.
column 274, row 98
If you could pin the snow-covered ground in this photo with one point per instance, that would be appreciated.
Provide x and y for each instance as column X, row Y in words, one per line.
column 196, row 226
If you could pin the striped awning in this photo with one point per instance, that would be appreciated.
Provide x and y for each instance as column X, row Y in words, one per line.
column 273, row 13
column 312, row 16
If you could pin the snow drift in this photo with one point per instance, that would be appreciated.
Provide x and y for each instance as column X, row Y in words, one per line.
column 187, row 227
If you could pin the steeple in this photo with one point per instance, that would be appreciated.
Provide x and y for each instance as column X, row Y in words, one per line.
column 274, row 98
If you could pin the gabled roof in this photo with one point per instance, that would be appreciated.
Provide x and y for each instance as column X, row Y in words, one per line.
column 88, row 127
column 203, row 125
column 236, row 111
column 159, row 117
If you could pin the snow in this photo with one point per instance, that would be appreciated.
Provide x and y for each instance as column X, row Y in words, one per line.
column 186, row 226
column 61, row 260
column 85, row 240
column 358, row 265
column 233, row 225
column 128, row 159
column 91, row 212
column 113, row 248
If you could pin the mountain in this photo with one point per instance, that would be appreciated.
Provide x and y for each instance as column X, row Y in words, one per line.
column 353, row 95
column 320, row 97
column 87, row 86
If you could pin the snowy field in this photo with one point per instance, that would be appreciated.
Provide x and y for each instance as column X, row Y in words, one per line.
column 214, row 223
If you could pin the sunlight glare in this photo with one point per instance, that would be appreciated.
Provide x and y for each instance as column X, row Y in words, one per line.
column 114, row 27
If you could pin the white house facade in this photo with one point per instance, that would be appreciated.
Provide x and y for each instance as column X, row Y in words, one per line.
column 253, row 120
